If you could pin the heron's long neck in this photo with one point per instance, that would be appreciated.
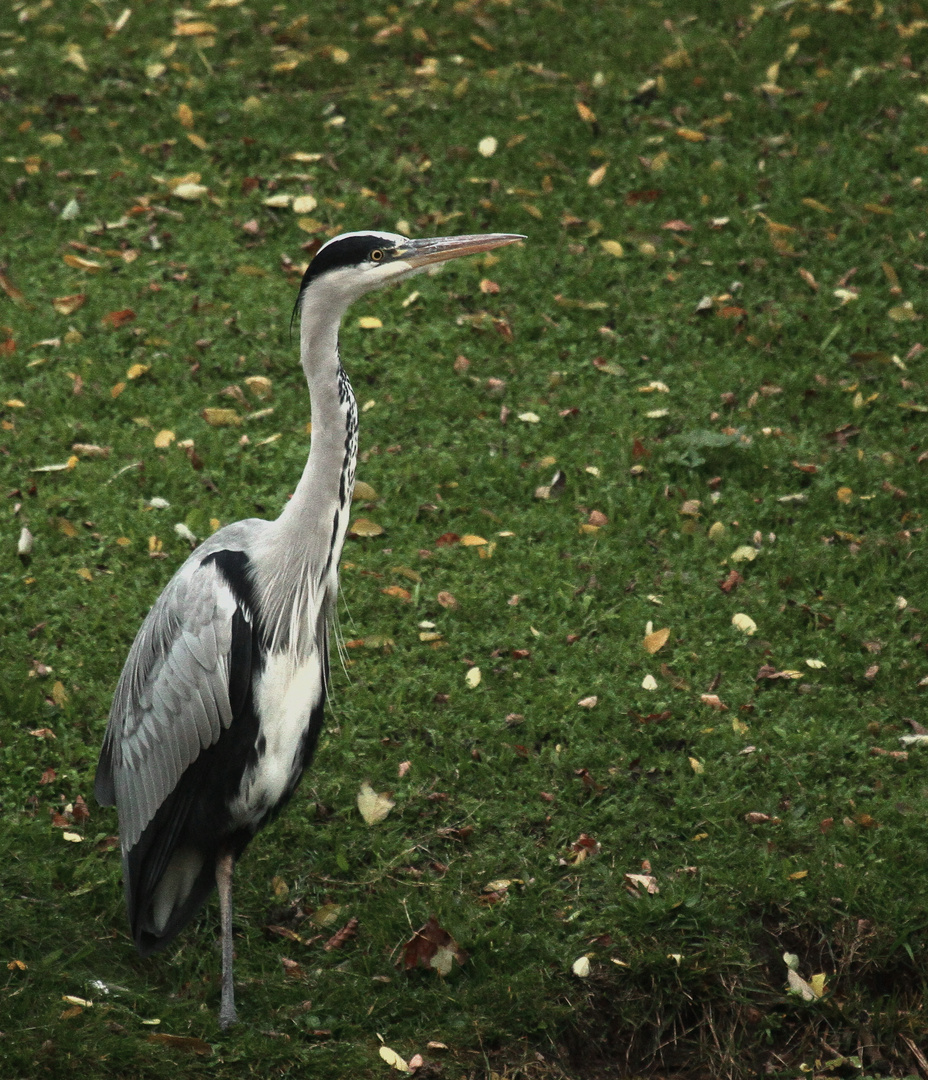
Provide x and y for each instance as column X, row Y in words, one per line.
column 316, row 516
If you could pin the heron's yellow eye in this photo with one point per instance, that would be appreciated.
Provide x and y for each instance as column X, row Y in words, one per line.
column 376, row 255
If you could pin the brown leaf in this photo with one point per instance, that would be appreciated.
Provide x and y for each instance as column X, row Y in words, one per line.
column 347, row 932
column 657, row 640
column 190, row 1043
column 67, row 305
column 676, row 225
column 731, row 582
column 11, row 290
column 808, row 279
column 448, row 539
column 446, row 600
column 431, row 947
column 647, row 195
column 80, row 813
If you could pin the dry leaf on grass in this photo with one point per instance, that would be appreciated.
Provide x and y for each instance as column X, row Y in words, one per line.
column 431, row 947
column 374, row 808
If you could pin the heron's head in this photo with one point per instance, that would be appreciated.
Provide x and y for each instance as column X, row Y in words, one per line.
column 355, row 263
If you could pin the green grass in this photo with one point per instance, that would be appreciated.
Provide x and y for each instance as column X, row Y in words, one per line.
column 691, row 980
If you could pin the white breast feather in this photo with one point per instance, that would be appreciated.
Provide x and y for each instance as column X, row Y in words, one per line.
column 285, row 696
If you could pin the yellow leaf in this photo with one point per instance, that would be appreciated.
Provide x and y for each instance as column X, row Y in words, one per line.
column 73, row 55
column 673, row 61
column 164, row 439
column 369, row 322
column 198, row 141
column 136, row 371
column 716, row 530
column 469, row 540
column 363, row 527
column 221, row 417
column 117, row 389
column 697, row 766
column 586, row 113
column 657, row 640
column 85, row 574
column 612, row 247
column 799, row 875
column 339, row 56
column 597, row 176
column 363, row 492
column 745, row 553
column 374, row 808
column 59, row 694
column 189, row 191
column 487, row 146
column 185, row 115
column 261, row 386
column 472, row 678
column 194, row 28
column 393, row 1059
column 690, row 135
column 304, row 204
column 15, row 403
column 72, row 837
column 814, row 204
column 844, row 494
column 744, row 623
column 659, row 161
column 77, row 263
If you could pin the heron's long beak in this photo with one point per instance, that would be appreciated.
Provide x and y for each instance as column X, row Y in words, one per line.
column 419, row 253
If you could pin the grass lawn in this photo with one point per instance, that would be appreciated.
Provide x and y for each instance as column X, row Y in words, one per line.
column 642, row 627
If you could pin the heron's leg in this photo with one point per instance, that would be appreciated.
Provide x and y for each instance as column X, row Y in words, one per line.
column 225, row 864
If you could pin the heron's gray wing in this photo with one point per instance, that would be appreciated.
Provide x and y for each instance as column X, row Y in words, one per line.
column 173, row 697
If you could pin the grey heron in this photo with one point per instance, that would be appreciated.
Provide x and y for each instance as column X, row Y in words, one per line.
column 220, row 702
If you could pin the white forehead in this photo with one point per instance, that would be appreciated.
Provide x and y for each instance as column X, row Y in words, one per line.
column 387, row 237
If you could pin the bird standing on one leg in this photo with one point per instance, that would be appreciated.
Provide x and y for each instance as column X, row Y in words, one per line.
column 220, row 702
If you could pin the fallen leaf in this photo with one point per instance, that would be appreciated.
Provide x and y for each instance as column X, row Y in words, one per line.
column 655, row 641
column 470, row 540
column 713, row 701
column 431, row 947
column 346, row 933
column 597, row 176
column 581, row 967
column 393, row 1059
column 648, row 882
column 744, row 623
column 374, row 808
column 446, row 600
column 588, row 702
column 487, row 146
column 362, row 527
column 398, row 592
column 745, row 553
column 67, row 305
column 473, row 677
column 221, row 417
column 190, row 1043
